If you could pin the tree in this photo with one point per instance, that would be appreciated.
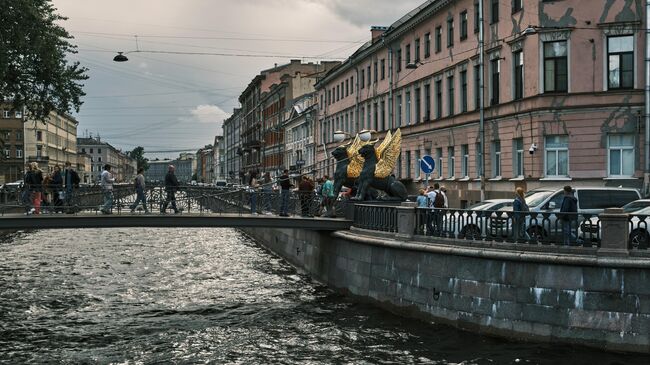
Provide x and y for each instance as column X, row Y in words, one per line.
column 34, row 72
column 138, row 155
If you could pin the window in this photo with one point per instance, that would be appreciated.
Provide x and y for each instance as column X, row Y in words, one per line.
column 620, row 155
column 376, row 117
column 369, row 114
column 451, row 159
column 19, row 151
column 555, row 66
column 417, row 50
column 439, row 157
column 99, row 150
column 518, row 157
column 351, row 84
column 6, row 114
column 438, row 99
column 427, row 45
column 450, row 32
column 620, row 69
column 383, row 115
column 18, row 114
column 416, row 163
column 407, row 50
column 91, row 150
column 438, row 39
column 450, row 95
column 376, row 75
column 494, row 11
column 463, row 91
column 39, row 136
column 408, row 108
column 99, row 159
column 427, row 102
column 383, row 68
column 362, row 119
column 496, row 159
column 464, row 162
column 39, row 151
column 347, row 87
column 418, row 105
column 369, row 77
column 19, row 135
column 399, row 60
column 556, row 150
column 517, row 5
column 463, row 25
column 338, row 90
column 399, row 110
column 477, row 87
column 408, row 164
column 518, row 79
column 7, row 152
column 495, row 66
column 477, row 17
column 362, row 77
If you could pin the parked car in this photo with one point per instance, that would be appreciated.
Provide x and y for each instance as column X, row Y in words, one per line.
column 547, row 202
column 640, row 228
column 471, row 223
column 590, row 231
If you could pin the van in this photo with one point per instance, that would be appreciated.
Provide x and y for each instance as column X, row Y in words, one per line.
column 548, row 201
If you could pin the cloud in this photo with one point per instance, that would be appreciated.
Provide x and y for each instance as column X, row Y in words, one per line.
column 370, row 12
column 210, row 114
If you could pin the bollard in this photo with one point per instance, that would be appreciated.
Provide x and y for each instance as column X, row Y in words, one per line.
column 615, row 232
column 406, row 217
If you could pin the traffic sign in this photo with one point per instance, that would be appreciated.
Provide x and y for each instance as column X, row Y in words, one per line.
column 300, row 162
column 427, row 164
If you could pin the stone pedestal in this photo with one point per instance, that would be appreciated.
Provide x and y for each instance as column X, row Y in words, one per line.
column 406, row 220
column 614, row 232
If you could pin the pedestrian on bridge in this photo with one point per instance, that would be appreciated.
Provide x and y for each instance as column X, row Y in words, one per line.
column 171, row 186
column 306, row 191
column 285, row 193
column 141, row 197
column 34, row 187
column 56, row 186
column 106, row 181
column 253, row 186
column 328, row 197
column 71, row 181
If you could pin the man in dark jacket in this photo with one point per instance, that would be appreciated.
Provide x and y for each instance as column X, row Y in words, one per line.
column 71, row 181
column 285, row 193
column 570, row 206
column 171, row 185
column 306, row 190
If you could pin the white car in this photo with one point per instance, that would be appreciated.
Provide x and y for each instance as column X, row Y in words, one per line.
column 639, row 210
column 473, row 222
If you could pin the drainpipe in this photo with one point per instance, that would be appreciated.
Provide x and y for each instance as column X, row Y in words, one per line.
column 356, row 100
column 390, row 84
column 646, row 174
column 482, row 99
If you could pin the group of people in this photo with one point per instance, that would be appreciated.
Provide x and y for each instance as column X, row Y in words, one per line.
column 308, row 191
column 53, row 191
column 107, row 179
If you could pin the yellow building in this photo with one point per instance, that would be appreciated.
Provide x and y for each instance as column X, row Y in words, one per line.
column 51, row 142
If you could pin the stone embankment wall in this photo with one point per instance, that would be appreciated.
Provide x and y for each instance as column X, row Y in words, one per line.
column 569, row 295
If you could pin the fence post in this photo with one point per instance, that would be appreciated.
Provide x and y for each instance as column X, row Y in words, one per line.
column 615, row 232
column 406, row 217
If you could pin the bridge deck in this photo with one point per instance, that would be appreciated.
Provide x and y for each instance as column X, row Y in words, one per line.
column 207, row 220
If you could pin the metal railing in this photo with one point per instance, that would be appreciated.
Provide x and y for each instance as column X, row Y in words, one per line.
column 376, row 217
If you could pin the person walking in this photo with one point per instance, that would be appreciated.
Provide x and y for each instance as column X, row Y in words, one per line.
column 285, row 193
column 56, row 187
column 306, row 191
column 106, row 181
column 267, row 192
column 569, row 206
column 71, row 181
column 328, row 197
column 520, row 210
column 436, row 201
column 422, row 199
column 171, row 185
column 141, row 197
column 253, row 186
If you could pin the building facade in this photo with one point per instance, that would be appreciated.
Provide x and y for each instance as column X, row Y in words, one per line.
column 102, row 153
column 232, row 147
column 218, row 160
column 563, row 99
column 299, row 135
column 83, row 166
column 12, row 145
column 50, row 142
column 204, row 165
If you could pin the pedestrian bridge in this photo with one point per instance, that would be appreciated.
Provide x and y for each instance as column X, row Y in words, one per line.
column 205, row 220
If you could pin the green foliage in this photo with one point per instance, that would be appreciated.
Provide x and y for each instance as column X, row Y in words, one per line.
column 34, row 72
column 138, row 155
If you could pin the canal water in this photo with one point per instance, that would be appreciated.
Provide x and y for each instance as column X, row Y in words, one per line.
column 143, row 296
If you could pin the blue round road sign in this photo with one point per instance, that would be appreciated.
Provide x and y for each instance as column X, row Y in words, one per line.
column 427, row 164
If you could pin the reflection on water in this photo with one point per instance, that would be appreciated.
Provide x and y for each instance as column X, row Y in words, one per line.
column 210, row 296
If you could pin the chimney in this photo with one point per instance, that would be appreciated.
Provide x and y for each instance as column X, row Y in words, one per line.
column 376, row 32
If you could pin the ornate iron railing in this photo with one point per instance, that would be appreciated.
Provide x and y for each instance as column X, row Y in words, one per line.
column 375, row 217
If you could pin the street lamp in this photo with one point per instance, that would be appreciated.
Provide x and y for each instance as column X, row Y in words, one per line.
column 120, row 57
column 531, row 29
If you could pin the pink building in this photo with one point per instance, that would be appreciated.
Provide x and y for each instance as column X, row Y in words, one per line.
column 563, row 94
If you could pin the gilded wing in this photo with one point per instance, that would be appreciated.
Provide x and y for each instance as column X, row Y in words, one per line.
column 356, row 161
column 389, row 155
column 379, row 150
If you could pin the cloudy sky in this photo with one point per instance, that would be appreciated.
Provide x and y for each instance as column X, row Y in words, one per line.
column 171, row 102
